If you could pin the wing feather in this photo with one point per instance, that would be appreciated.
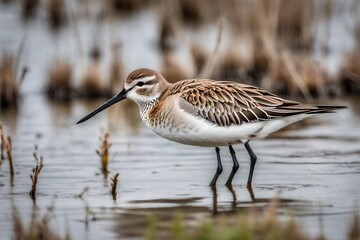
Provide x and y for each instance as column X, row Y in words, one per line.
column 228, row 103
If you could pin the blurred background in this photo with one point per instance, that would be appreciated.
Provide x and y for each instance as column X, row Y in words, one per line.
column 70, row 47
column 59, row 59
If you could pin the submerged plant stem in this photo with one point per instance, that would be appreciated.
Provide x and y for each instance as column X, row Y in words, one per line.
column 35, row 173
column 103, row 151
column 114, row 182
column 6, row 143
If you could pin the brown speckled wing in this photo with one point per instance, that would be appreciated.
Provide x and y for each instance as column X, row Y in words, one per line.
column 227, row 103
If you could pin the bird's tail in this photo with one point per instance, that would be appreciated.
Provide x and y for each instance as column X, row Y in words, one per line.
column 327, row 108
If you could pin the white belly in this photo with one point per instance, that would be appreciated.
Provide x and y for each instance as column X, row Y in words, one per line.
column 200, row 132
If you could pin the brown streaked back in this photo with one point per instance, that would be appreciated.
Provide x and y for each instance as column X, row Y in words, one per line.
column 228, row 103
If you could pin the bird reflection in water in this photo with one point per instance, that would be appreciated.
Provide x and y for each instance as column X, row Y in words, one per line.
column 234, row 198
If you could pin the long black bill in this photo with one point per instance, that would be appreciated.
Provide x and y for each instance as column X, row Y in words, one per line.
column 112, row 101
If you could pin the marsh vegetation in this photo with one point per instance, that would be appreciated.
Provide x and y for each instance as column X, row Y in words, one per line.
column 60, row 59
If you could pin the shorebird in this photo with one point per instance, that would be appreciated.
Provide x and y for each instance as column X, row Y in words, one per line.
column 210, row 113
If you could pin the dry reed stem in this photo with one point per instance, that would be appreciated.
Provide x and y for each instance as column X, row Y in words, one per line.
column 35, row 172
column 114, row 182
column 199, row 57
column 314, row 77
column 8, row 88
column 289, row 64
column 264, row 55
column 18, row 57
column 169, row 26
column 2, row 147
column 209, row 66
column 274, row 18
column 81, row 195
column 6, row 143
column 103, row 151
column 9, row 82
column 295, row 20
column 74, row 22
column 259, row 20
column 167, row 33
column 116, row 67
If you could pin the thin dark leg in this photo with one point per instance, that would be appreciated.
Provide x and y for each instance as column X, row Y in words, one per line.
column 234, row 168
column 219, row 167
column 253, row 159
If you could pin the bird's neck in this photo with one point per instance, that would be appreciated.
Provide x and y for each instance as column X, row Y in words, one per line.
column 146, row 107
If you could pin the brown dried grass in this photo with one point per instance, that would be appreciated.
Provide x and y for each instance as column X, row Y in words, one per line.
column 210, row 64
column 193, row 11
column 9, row 82
column 114, row 182
column 103, row 151
column 252, row 17
column 36, row 172
column 297, row 75
column 294, row 23
column 171, row 70
column 92, row 84
column 56, row 13
column 263, row 56
column 354, row 229
column 350, row 71
column 8, row 90
column 59, row 83
column 199, row 56
column 167, row 36
column 6, row 144
column 231, row 66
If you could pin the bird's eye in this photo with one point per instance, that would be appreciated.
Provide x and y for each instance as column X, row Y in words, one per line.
column 140, row 84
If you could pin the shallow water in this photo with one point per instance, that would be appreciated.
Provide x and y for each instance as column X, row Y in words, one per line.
column 316, row 167
column 315, row 164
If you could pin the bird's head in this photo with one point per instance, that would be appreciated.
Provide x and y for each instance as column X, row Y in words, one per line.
column 142, row 85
